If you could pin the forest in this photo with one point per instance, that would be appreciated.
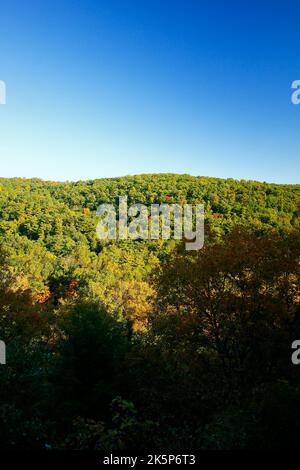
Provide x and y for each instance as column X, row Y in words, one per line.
column 123, row 344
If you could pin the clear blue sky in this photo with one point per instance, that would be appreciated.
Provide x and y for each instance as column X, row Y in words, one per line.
column 117, row 87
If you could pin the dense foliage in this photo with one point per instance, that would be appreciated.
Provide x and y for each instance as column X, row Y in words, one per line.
column 106, row 340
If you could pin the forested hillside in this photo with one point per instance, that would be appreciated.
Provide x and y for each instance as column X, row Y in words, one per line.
column 105, row 339
column 48, row 230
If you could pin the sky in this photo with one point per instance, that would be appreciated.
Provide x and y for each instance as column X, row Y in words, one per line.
column 110, row 88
